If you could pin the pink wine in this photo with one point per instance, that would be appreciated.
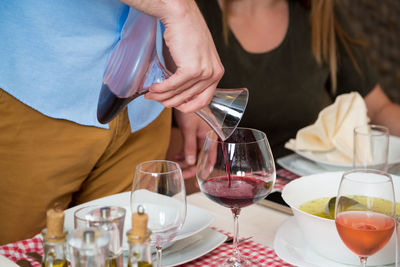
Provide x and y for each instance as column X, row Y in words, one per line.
column 242, row 192
column 364, row 232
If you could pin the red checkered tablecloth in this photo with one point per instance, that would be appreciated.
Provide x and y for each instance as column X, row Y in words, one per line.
column 266, row 256
column 17, row 251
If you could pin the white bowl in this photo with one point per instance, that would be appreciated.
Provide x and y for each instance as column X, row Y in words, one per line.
column 321, row 233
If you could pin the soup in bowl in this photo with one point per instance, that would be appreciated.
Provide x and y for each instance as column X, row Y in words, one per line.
column 308, row 196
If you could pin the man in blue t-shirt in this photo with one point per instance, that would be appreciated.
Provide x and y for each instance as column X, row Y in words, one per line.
column 53, row 150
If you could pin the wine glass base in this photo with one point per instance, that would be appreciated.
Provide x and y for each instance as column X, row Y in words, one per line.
column 240, row 261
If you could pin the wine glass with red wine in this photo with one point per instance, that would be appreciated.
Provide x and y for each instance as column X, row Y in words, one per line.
column 236, row 173
column 365, row 211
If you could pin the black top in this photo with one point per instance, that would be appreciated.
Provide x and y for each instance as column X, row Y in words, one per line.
column 287, row 87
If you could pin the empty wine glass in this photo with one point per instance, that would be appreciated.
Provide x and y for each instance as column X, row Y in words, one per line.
column 158, row 187
column 235, row 174
column 365, row 211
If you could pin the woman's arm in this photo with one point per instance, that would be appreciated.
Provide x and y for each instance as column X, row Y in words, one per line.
column 382, row 111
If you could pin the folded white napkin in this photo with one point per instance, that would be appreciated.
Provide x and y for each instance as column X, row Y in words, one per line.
column 333, row 130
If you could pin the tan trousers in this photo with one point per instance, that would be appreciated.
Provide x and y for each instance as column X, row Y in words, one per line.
column 46, row 162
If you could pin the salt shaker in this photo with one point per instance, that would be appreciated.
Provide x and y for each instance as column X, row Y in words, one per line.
column 88, row 247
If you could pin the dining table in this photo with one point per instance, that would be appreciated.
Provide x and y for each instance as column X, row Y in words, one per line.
column 260, row 227
column 256, row 221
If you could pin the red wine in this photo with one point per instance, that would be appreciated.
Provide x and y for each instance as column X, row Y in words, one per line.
column 110, row 105
column 363, row 232
column 227, row 169
column 242, row 192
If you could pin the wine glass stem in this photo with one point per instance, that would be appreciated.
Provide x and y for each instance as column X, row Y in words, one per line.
column 363, row 261
column 158, row 256
column 397, row 228
column 235, row 252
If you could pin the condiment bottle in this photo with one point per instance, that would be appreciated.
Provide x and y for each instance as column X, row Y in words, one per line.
column 139, row 241
column 88, row 247
column 54, row 239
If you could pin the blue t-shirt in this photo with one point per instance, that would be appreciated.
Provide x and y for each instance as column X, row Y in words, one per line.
column 53, row 55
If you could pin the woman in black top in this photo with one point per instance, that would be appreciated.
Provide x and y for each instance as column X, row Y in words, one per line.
column 295, row 57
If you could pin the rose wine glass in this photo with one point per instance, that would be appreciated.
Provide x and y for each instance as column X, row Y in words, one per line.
column 236, row 173
column 158, row 187
column 366, row 222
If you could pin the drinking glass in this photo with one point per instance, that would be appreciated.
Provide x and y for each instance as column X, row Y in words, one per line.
column 236, row 173
column 371, row 147
column 365, row 211
column 158, row 186
column 109, row 219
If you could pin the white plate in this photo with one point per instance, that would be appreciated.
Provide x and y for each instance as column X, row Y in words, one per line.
column 302, row 166
column 4, row 262
column 191, row 248
column 321, row 157
column 289, row 245
column 197, row 219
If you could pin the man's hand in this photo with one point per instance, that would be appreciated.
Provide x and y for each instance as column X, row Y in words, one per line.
column 190, row 44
